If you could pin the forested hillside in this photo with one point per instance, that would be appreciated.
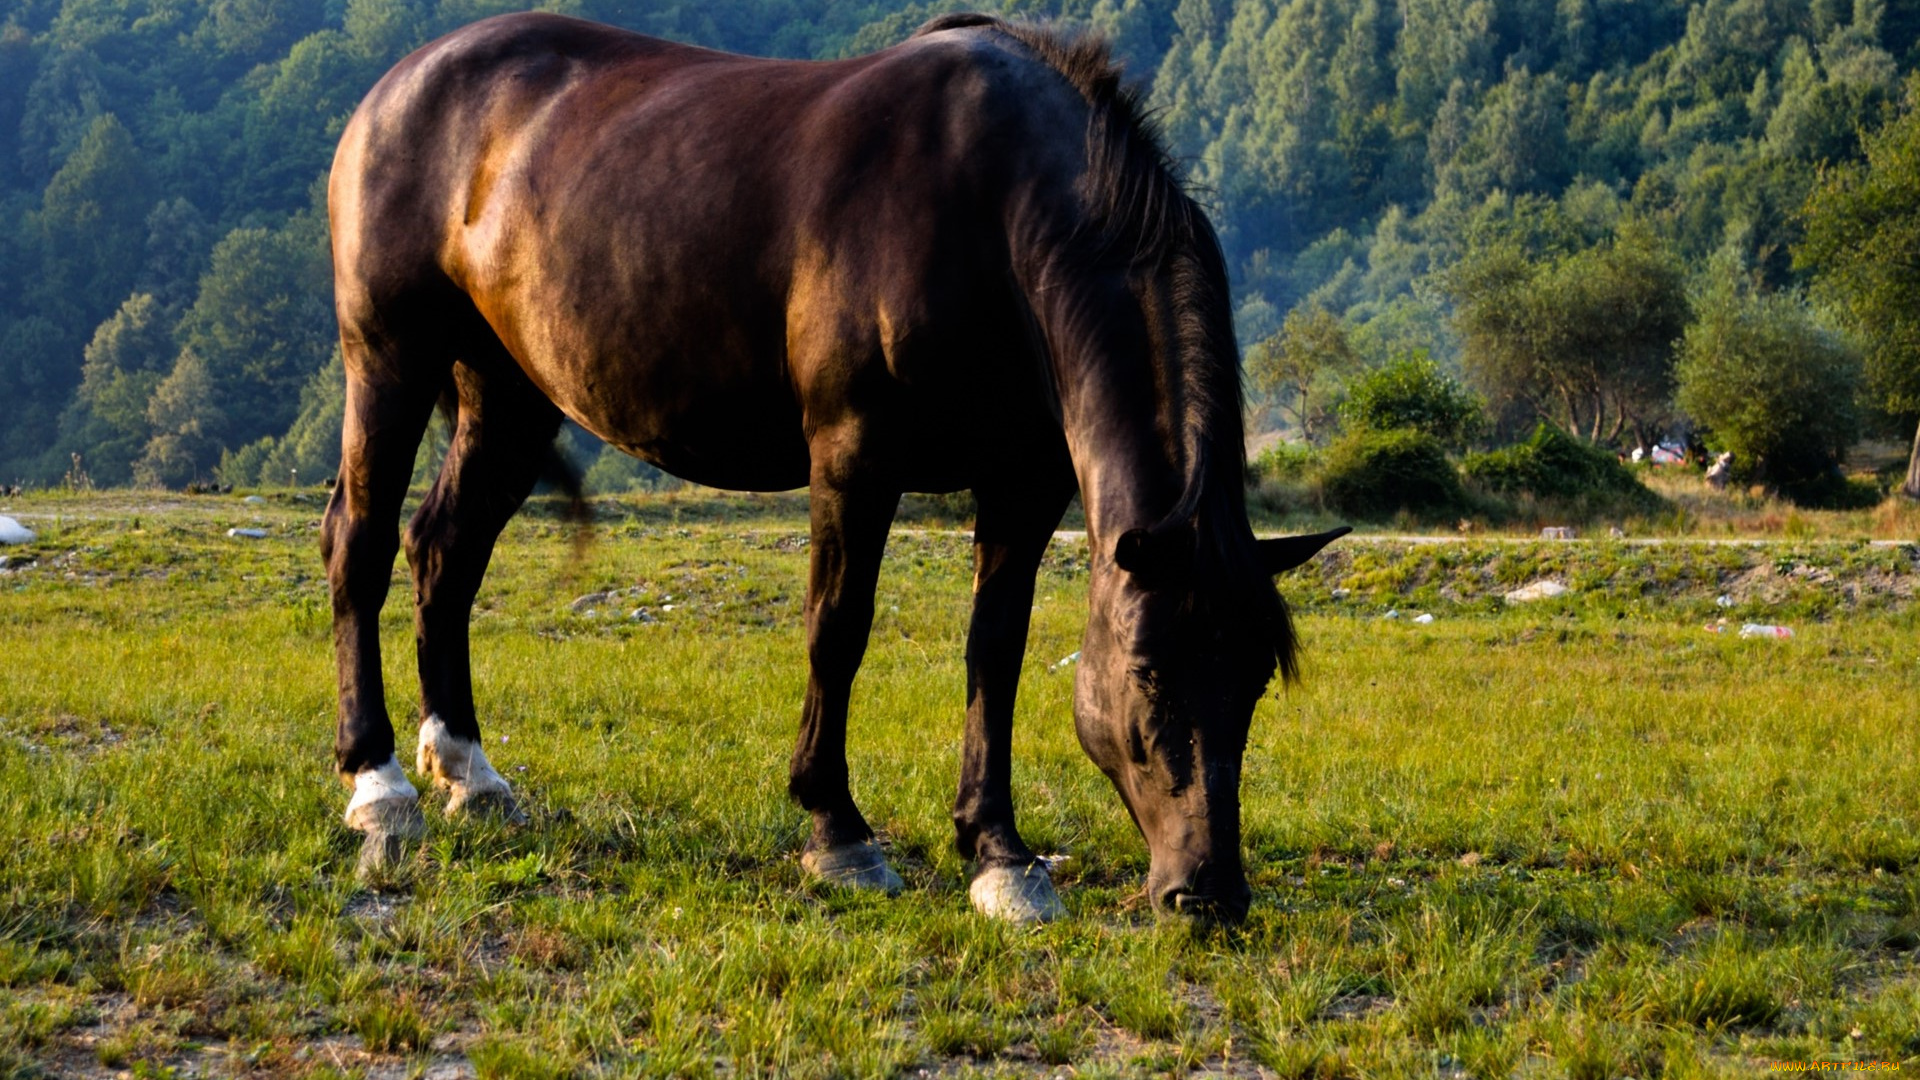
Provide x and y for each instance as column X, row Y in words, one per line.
column 164, row 287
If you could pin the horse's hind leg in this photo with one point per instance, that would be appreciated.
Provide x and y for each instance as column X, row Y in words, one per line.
column 385, row 417
column 1010, row 537
column 499, row 447
column 849, row 538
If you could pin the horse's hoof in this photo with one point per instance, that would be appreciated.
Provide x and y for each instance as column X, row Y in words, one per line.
column 390, row 826
column 493, row 803
column 853, row 866
column 381, row 854
column 1019, row 894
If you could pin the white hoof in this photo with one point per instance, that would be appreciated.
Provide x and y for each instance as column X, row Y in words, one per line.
column 387, row 809
column 853, row 866
column 1021, row 894
column 461, row 766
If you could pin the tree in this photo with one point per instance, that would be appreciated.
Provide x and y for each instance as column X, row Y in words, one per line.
column 1300, row 366
column 184, row 419
column 125, row 362
column 261, row 326
column 1585, row 339
column 1412, row 393
column 1863, row 230
column 1767, row 382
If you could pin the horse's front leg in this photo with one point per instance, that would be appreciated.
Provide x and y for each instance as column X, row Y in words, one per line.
column 849, row 538
column 1010, row 537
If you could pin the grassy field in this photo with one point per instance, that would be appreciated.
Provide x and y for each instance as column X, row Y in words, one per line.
column 1584, row 838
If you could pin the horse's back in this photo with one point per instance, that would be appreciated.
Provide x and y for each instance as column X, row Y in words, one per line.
column 672, row 241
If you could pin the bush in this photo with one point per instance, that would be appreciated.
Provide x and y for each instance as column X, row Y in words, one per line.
column 1552, row 464
column 1282, row 461
column 1376, row 474
column 1771, row 385
column 1412, row 393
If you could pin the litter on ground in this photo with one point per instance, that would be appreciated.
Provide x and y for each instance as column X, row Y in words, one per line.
column 1539, row 590
column 12, row 532
column 1066, row 661
column 247, row 534
column 1424, row 619
column 1765, row 630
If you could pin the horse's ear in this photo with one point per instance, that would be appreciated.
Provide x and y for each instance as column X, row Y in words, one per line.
column 1153, row 556
column 1281, row 555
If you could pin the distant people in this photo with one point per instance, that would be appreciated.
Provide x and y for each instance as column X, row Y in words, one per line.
column 1720, row 471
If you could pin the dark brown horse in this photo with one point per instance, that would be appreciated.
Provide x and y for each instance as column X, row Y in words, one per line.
column 960, row 263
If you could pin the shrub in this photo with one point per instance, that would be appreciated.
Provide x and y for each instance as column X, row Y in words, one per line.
column 1375, row 474
column 1282, row 461
column 1552, row 464
column 1411, row 392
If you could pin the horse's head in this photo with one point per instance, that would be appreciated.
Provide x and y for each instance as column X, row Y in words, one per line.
column 1182, row 644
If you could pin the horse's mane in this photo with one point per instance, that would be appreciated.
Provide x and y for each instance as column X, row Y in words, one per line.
column 1141, row 210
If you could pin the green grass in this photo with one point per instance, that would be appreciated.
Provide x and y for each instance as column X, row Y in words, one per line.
column 1582, row 838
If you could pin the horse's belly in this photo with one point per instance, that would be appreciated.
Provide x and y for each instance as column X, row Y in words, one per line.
column 717, row 432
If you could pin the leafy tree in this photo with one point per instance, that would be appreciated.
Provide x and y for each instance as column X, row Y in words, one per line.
column 185, row 423
column 1767, row 382
column 261, row 326
column 1411, row 393
column 1586, row 339
column 1300, row 367
column 125, row 362
column 1863, row 228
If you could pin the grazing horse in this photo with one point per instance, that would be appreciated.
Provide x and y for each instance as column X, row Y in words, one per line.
column 959, row 263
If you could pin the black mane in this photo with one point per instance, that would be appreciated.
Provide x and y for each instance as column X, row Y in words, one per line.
column 1141, row 209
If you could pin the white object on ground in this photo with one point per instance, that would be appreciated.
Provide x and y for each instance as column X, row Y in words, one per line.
column 248, row 534
column 1424, row 619
column 1723, row 600
column 253, row 499
column 1066, row 661
column 1764, row 630
column 1557, row 532
column 1539, row 590
column 1392, row 614
column 12, row 532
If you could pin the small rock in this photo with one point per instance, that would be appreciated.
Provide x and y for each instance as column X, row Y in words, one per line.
column 1723, row 600
column 642, row 615
column 1471, row 858
column 12, row 532
column 1342, row 594
column 1764, row 630
column 1539, row 590
column 253, row 499
column 668, row 607
column 247, row 534
column 585, row 602
column 1393, row 614
column 1424, row 619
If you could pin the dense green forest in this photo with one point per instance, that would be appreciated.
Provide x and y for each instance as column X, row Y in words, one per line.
column 1572, row 204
